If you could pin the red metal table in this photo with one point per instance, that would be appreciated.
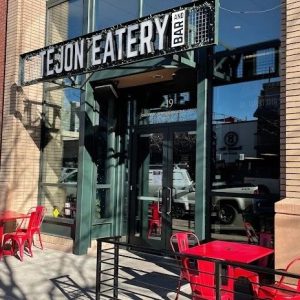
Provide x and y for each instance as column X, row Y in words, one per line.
column 8, row 216
column 231, row 251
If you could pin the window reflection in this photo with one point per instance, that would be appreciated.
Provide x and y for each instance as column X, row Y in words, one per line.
column 260, row 23
column 154, row 6
column 113, row 12
column 245, row 156
column 65, row 21
column 61, row 143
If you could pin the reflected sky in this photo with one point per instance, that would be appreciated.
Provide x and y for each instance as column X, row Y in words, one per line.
column 237, row 29
column 240, row 23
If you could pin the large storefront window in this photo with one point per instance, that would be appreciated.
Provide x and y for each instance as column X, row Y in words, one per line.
column 60, row 149
column 245, row 164
column 61, row 119
column 246, row 122
column 154, row 6
column 124, row 11
column 113, row 12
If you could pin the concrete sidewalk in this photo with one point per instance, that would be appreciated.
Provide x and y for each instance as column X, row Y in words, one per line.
column 51, row 274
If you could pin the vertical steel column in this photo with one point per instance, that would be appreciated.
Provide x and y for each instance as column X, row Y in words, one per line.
column 218, row 279
column 203, row 146
column 116, row 267
column 98, row 268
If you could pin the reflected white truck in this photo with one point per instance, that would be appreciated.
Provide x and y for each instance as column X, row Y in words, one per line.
column 226, row 206
column 183, row 191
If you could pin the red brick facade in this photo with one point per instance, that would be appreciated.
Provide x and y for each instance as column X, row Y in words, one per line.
column 3, row 18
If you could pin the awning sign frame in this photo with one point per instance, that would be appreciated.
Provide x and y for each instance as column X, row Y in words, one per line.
column 180, row 29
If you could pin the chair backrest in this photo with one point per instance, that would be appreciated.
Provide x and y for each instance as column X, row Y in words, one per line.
column 183, row 241
column 251, row 277
column 40, row 214
column 28, row 223
column 288, row 268
column 204, row 282
column 251, row 234
column 33, row 221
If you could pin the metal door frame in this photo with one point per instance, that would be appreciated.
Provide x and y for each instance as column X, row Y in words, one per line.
column 167, row 129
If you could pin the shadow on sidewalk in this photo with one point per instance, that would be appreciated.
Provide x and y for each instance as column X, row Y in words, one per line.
column 71, row 289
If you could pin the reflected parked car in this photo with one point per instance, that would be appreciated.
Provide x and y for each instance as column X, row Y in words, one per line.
column 226, row 206
column 227, row 201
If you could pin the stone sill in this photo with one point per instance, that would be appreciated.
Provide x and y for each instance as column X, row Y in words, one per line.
column 289, row 206
column 59, row 220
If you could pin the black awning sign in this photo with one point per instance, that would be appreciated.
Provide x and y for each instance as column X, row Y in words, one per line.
column 167, row 32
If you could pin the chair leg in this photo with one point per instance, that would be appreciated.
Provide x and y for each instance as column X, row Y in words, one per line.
column 40, row 238
column 178, row 287
column 150, row 230
column 29, row 242
column 20, row 247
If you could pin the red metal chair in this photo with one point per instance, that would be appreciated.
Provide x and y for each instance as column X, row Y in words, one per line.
column 155, row 219
column 26, row 230
column 251, row 234
column 36, row 226
column 252, row 277
column 203, row 284
column 281, row 290
column 21, row 236
column 263, row 239
column 180, row 241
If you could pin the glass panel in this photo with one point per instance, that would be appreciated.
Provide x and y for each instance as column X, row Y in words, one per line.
column 184, row 162
column 61, row 112
column 248, row 22
column 114, row 12
column 102, row 204
column 104, row 162
column 61, row 143
column 245, row 165
column 65, row 21
column 154, row 6
column 168, row 108
column 149, row 182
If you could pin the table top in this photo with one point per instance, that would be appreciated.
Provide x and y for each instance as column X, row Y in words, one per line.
column 231, row 251
column 10, row 215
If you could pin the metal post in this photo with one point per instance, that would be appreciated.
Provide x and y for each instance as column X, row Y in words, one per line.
column 98, row 268
column 218, row 279
column 116, row 268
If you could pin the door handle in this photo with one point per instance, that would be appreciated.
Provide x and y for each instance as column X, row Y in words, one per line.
column 170, row 200
column 159, row 200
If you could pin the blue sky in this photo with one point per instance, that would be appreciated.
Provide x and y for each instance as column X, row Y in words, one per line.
column 235, row 30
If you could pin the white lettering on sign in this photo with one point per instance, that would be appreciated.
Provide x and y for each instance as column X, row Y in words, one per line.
column 178, row 28
column 108, row 47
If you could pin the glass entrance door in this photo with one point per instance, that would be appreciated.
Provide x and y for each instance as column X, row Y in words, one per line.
column 163, row 184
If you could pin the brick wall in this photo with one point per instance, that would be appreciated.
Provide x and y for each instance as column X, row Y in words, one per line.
column 287, row 218
column 291, row 93
column 3, row 10
column 19, row 173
